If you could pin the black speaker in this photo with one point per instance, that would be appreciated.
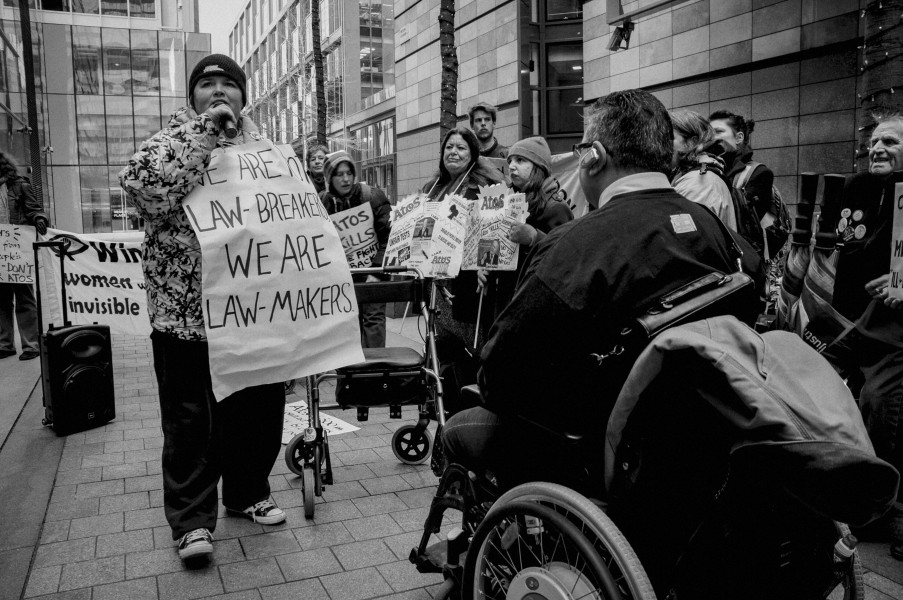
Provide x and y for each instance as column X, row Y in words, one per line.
column 77, row 373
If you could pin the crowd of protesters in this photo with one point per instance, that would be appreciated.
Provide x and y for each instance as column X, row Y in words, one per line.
column 662, row 192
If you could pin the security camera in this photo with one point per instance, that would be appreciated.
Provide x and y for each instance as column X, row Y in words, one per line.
column 620, row 37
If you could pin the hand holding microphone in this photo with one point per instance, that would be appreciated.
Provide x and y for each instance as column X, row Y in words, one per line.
column 228, row 126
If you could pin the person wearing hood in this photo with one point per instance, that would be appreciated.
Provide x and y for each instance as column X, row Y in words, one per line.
column 698, row 174
column 239, row 438
column 343, row 191
column 316, row 158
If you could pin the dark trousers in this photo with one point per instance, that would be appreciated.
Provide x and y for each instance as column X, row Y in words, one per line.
column 881, row 397
column 26, row 311
column 237, row 439
column 372, row 317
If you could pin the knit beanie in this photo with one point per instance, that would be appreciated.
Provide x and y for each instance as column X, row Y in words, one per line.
column 534, row 149
column 332, row 163
column 218, row 64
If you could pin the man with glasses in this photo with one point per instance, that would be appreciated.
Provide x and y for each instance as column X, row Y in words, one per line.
column 579, row 287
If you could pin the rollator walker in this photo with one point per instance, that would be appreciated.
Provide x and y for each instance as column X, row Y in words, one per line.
column 728, row 463
column 394, row 377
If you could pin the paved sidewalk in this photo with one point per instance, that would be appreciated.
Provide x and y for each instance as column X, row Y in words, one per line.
column 102, row 535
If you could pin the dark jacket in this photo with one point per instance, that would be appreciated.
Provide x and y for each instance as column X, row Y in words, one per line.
column 318, row 180
column 24, row 208
column 582, row 284
column 495, row 151
column 381, row 211
column 758, row 188
column 464, row 286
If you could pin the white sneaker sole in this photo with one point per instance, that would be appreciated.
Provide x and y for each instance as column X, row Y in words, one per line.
column 196, row 549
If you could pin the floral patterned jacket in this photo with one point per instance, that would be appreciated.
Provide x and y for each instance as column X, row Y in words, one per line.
column 166, row 168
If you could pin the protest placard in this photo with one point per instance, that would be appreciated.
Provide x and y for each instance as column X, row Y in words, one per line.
column 357, row 230
column 104, row 281
column 277, row 293
column 895, row 289
column 17, row 254
column 487, row 244
column 566, row 172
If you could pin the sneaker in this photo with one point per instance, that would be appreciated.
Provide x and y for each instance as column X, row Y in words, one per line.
column 197, row 542
column 264, row 512
column 29, row 354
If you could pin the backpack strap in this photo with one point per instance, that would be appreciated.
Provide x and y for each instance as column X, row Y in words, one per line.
column 742, row 178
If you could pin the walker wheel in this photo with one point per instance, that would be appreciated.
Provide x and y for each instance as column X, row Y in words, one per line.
column 296, row 452
column 308, row 486
column 412, row 447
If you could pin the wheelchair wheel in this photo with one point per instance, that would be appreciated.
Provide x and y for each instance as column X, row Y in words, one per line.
column 308, row 490
column 527, row 550
column 852, row 585
column 609, row 543
column 410, row 446
column 296, row 452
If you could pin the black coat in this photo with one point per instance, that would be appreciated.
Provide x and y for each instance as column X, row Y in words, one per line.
column 381, row 212
column 24, row 208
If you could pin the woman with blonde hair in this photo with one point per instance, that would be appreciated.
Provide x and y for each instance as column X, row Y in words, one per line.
column 697, row 171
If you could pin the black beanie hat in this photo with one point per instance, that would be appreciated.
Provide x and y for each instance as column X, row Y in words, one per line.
column 218, row 64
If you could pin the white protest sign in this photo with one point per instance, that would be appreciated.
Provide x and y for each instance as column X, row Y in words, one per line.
column 895, row 289
column 296, row 420
column 104, row 281
column 277, row 293
column 17, row 254
column 428, row 236
column 357, row 230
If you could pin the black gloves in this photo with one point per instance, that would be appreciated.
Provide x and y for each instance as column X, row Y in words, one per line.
column 41, row 225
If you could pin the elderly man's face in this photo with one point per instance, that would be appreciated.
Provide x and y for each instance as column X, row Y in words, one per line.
column 886, row 148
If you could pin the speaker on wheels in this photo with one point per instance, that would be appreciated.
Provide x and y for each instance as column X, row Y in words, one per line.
column 77, row 374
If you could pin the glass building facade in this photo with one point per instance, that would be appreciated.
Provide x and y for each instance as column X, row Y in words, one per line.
column 272, row 39
column 101, row 92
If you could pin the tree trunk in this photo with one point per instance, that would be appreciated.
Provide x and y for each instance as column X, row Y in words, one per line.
column 318, row 71
column 34, row 143
column 448, row 99
column 881, row 68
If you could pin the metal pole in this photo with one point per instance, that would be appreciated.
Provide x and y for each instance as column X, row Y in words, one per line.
column 34, row 142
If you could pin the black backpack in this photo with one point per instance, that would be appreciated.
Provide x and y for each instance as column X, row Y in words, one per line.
column 745, row 213
column 774, row 226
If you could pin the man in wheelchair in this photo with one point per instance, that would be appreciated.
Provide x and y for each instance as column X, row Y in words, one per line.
column 551, row 369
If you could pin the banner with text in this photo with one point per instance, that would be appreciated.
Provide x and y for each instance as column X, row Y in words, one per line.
column 104, row 281
column 278, row 298
column 16, row 254
column 565, row 169
column 895, row 289
column 428, row 236
column 357, row 231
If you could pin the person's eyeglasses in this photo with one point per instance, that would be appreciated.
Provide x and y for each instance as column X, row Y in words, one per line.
column 580, row 148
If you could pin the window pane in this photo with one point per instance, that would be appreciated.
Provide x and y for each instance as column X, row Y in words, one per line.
column 117, row 8
column 116, row 62
column 120, row 129
column 62, row 128
column 145, row 62
column 172, row 64
column 95, row 183
column 91, row 7
column 147, row 118
column 86, row 49
column 565, row 111
column 561, row 10
column 565, row 64
column 58, row 5
column 92, row 138
column 142, row 8
column 58, row 58
column 168, row 106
